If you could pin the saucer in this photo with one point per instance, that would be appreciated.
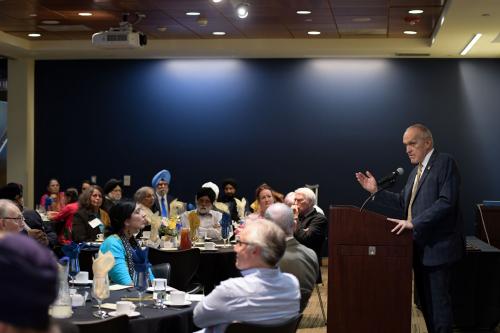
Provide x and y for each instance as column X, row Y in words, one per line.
column 130, row 314
column 151, row 289
column 168, row 249
column 186, row 303
column 204, row 249
column 81, row 282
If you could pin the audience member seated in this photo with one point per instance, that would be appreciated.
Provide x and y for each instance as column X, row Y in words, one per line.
column 298, row 260
column 127, row 219
column 145, row 197
column 290, row 202
column 112, row 193
column 89, row 220
column 217, row 206
column 265, row 196
column 161, row 183
column 53, row 199
column 31, row 223
column 86, row 184
column 28, row 285
column 237, row 205
column 65, row 216
column 203, row 220
column 312, row 227
column 263, row 295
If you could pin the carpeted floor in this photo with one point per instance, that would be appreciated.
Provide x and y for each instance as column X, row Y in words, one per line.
column 312, row 320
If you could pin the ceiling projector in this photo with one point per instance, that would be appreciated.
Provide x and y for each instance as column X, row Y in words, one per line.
column 119, row 39
column 123, row 37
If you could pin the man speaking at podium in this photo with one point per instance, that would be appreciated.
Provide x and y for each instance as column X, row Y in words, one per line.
column 430, row 202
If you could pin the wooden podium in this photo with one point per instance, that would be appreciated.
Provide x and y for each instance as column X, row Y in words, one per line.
column 369, row 274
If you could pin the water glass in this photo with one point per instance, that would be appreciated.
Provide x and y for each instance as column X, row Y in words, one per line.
column 100, row 291
column 141, row 284
column 159, row 293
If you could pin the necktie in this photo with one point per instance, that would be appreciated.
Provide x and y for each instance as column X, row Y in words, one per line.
column 163, row 207
column 414, row 190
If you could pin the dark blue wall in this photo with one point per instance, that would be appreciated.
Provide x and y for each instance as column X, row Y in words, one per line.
column 287, row 122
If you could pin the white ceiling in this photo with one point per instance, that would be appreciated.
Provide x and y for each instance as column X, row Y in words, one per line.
column 463, row 18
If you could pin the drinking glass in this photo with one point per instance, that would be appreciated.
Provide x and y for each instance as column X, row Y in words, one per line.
column 159, row 293
column 74, row 269
column 100, row 291
column 227, row 233
column 141, row 283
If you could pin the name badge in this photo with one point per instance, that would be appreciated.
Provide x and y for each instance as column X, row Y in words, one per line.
column 95, row 222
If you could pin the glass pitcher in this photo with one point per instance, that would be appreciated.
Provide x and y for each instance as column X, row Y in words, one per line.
column 61, row 308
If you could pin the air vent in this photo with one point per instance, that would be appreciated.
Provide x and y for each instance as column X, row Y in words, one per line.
column 67, row 27
column 413, row 54
column 116, row 37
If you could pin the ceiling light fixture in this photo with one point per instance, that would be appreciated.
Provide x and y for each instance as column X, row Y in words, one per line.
column 193, row 13
column 242, row 10
column 216, row 1
column 85, row 14
column 303, row 12
column 314, row 33
column 415, row 11
column 471, row 44
column 34, row 35
column 218, row 33
column 50, row 22
column 361, row 19
column 410, row 32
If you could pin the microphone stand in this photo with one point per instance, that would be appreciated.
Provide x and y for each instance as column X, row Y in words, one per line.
column 384, row 186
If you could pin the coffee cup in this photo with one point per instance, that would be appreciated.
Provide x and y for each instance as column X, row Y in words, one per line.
column 82, row 276
column 209, row 246
column 177, row 297
column 124, row 307
column 100, row 237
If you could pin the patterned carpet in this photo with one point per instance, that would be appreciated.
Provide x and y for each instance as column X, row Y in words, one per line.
column 312, row 320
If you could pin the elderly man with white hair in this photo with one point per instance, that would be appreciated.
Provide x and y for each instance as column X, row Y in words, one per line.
column 298, row 260
column 311, row 228
column 263, row 295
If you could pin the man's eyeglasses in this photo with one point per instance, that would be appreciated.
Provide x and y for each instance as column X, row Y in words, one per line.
column 18, row 219
column 240, row 242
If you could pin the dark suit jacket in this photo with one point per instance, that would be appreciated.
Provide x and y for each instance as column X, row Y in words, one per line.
column 316, row 225
column 436, row 217
column 82, row 231
column 157, row 207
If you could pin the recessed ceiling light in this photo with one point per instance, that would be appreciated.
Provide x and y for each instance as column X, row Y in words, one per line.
column 219, row 33
column 34, row 35
column 303, row 12
column 415, row 11
column 193, row 13
column 50, row 22
column 314, row 32
column 242, row 10
column 33, row 15
column 162, row 29
column 308, row 20
column 85, row 14
column 361, row 19
column 410, row 32
column 216, row 1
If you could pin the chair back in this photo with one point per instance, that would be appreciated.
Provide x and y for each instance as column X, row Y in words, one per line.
column 162, row 271
column 289, row 326
column 183, row 264
column 116, row 324
column 86, row 259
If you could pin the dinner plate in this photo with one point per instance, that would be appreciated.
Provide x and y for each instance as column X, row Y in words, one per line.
column 130, row 314
column 186, row 303
column 203, row 249
column 81, row 282
column 168, row 249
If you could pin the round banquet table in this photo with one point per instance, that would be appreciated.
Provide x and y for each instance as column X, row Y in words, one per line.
column 216, row 266
column 172, row 319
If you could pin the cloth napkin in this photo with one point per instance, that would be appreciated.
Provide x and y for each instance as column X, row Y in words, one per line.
column 103, row 264
column 71, row 250
column 140, row 258
column 225, row 222
column 155, row 226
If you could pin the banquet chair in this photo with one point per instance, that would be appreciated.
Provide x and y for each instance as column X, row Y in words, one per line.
column 289, row 326
column 161, row 271
column 116, row 324
column 183, row 267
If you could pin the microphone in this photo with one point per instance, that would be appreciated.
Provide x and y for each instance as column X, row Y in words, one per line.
column 384, row 184
column 391, row 178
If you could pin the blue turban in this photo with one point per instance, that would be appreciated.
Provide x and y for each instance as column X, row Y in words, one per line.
column 162, row 175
